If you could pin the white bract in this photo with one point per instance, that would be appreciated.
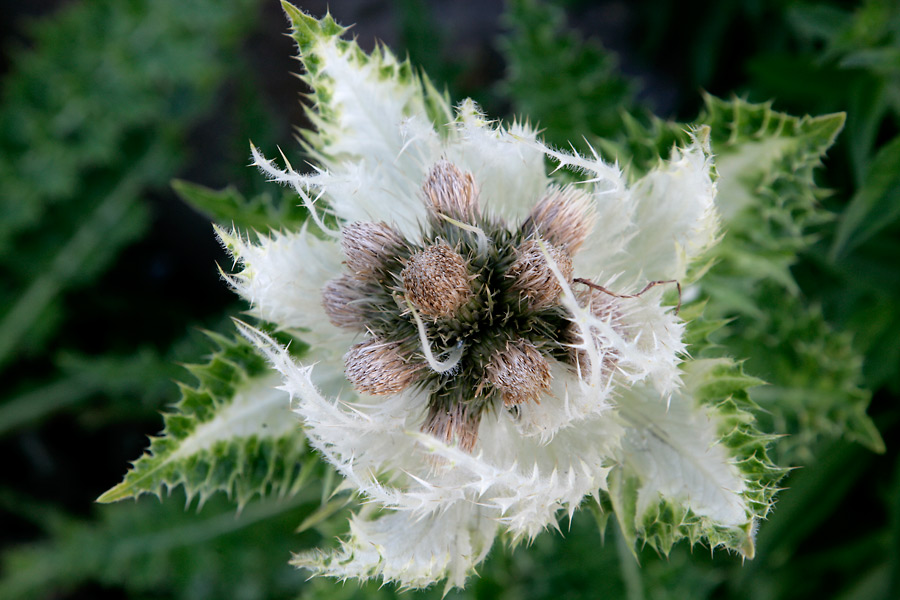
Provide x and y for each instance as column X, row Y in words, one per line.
column 487, row 342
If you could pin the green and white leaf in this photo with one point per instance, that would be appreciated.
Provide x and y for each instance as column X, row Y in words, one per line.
column 232, row 431
column 357, row 98
column 697, row 469
column 766, row 161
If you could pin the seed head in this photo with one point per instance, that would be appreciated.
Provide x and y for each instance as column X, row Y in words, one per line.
column 343, row 301
column 367, row 246
column 564, row 217
column 450, row 192
column 437, row 281
column 379, row 367
column 519, row 372
column 532, row 276
column 458, row 422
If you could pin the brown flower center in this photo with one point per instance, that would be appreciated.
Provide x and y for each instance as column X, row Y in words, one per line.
column 470, row 314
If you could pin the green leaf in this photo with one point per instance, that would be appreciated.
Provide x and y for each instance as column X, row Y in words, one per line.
column 817, row 22
column 145, row 374
column 875, row 320
column 232, row 431
column 699, row 329
column 765, row 161
column 875, row 205
column 425, row 39
column 229, row 207
column 769, row 202
column 866, row 110
column 769, row 198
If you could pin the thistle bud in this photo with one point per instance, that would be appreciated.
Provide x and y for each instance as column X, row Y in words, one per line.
column 456, row 423
column 378, row 367
column 437, row 281
column 449, row 191
column 532, row 276
column 564, row 217
column 343, row 301
column 519, row 372
column 367, row 247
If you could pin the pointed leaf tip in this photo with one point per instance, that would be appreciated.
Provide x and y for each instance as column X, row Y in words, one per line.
column 828, row 127
column 307, row 29
column 114, row 494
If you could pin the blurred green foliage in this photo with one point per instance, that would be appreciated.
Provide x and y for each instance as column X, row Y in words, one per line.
column 97, row 117
column 568, row 87
column 154, row 547
column 91, row 119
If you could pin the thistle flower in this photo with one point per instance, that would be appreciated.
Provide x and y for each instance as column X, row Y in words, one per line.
column 462, row 377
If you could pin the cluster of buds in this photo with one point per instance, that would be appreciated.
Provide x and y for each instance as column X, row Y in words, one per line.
column 474, row 290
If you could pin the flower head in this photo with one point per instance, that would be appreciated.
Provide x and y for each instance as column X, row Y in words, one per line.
column 472, row 372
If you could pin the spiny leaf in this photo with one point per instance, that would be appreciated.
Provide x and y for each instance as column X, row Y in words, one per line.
column 766, row 161
column 699, row 329
column 307, row 29
column 657, row 513
column 340, row 106
column 641, row 142
column 232, row 431
column 769, row 202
